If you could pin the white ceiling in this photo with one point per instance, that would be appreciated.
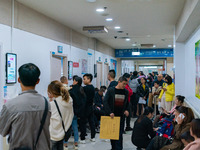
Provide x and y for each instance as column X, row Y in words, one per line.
column 145, row 21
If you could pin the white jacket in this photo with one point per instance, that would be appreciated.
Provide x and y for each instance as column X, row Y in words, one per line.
column 66, row 108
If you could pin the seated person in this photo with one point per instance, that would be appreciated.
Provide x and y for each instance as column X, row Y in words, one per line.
column 195, row 132
column 183, row 118
column 179, row 100
column 156, row 89
column 186, row 138
column 98, row 104
column 143, row 129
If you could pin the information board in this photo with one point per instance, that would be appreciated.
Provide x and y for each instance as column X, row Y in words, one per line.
column 11, row 68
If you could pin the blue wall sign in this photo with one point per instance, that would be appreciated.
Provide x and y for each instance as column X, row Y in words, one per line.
column 127, row 53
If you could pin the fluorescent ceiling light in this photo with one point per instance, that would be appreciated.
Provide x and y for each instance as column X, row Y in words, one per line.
column 109, row 19
column 100, row 10
column 150, row 67
column 91, row 1
column 169, row 45
column 135, row 53
column 117, row 27
column 128, row 39
column 148, row 36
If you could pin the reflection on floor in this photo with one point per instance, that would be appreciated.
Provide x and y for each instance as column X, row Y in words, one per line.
column 103, row 144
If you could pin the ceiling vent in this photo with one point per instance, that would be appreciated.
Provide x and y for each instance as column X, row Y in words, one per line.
column 95, row 29
column 147, row 45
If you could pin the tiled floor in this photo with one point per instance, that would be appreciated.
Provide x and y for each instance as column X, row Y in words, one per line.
column 104, row 145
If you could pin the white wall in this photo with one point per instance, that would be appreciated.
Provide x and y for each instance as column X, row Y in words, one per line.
column 185, row 69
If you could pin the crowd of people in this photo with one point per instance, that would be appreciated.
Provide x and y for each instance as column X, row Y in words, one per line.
column 162, row 121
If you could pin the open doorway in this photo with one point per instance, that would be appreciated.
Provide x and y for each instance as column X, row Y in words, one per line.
column 58, row 66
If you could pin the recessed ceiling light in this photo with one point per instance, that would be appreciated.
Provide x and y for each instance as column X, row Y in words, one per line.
column 148, row 36
column 169, row 45
column 109, row 19
column 91, row 1
column 154, row 46
column 117, row 27
column 100, row 10
column 127, row 39
column 134, row 44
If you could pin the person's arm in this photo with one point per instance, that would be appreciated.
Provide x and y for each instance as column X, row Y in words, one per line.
column 5, row 121
column 106, row 100
column 127, row 105
column 97, row 100
column 147, row 93
column 161, row 94
column 151, row 132
column 139, row 92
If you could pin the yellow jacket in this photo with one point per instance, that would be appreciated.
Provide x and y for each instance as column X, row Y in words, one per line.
column 169, row 94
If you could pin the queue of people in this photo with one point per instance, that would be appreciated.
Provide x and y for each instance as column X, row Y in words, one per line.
column 34, row 123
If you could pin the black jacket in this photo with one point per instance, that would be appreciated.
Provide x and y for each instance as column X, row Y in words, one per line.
column 142, row 130
column 79, row 100
column 98, row 100
column 109, row 101
column 141, row 92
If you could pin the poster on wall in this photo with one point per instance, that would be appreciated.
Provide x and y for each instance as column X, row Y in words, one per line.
column 11, row 67
column 90, row 63
column 197, row 59
column 113, row 65
column 84, row 66
column 70, row 70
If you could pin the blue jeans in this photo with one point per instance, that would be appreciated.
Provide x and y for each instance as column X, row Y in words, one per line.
column 75, row 129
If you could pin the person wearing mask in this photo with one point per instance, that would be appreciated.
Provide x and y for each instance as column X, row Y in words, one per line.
column 143, row 94
column 79, row 100
column 62, row 104
column 111, row 78
column 167, row 94
column 130, row 93
column 21, row 117
column 116, row 105
column 134, row 98
column 183, row 117
column 186, row 138
column 195, row 132
column 143, row 129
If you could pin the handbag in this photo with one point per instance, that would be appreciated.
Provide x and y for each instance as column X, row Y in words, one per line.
column 69, row 131
column 40, row 130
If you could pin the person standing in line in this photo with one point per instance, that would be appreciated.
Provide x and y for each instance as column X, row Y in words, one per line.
column 143, row 94
column 130, row 93
column 134, row 98
column 167, row 94
column 160, row 80
column 116, row 105
column 64, row 81
column 149, row 83
column 79, row 99
column 89, row 112
column 111, row 78
column 63, row 103
column 20, row 117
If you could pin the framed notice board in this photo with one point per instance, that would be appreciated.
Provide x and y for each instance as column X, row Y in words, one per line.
column 11, row 68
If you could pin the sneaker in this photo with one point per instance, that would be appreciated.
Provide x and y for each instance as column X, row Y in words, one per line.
column 93, row 140
column 76, row 147
column 82, row 142
column 128, row 129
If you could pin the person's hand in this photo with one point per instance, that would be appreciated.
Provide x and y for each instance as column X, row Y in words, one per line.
column 165, row 89
column 144, row 97
column 159, row 99
column 98, row 108
column 126, row 113
column 112, row 115
column 155, row 129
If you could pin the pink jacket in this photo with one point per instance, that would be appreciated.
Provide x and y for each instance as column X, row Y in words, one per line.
column 193, row 145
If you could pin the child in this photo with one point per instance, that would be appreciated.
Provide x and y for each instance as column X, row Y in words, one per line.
column 155, row 92
column 64, row 81
column 186, row 138
column 89, row 114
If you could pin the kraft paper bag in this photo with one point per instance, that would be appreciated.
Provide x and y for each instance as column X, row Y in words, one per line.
column 109, row 128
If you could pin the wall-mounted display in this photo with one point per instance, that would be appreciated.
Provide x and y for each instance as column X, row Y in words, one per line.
column 70, row 70
column 197, row 59
column 11, row 68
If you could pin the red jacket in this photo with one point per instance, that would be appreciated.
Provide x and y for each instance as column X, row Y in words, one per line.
column 130, row 92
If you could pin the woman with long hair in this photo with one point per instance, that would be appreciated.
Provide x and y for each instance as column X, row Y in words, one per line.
column 62, row 103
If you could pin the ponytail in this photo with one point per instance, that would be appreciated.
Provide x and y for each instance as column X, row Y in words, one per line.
column 64, row 93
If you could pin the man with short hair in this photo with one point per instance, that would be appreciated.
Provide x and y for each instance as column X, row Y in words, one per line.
column 111, row 78
column 21, row 117
column 116, row 104
column 160, row 80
